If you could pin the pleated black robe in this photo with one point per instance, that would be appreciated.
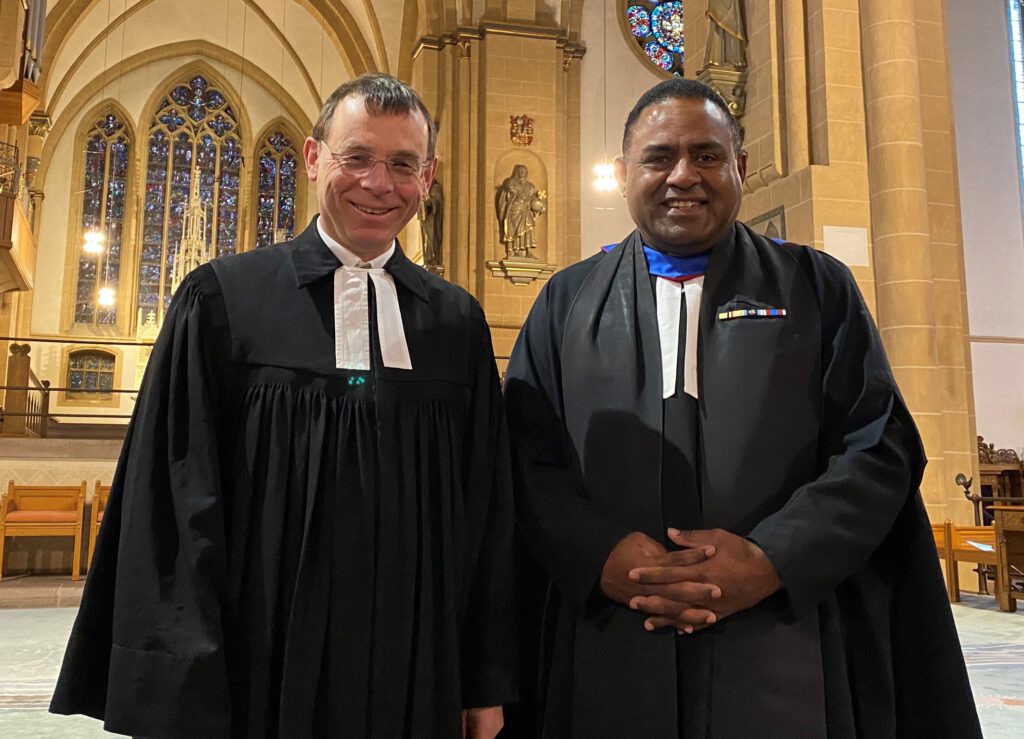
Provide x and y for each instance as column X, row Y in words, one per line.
column 293, row 550
column 804, row 446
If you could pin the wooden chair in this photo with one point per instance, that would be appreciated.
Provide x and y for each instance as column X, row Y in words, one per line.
column 99, row 505
column 959, row 548
column 43, row 510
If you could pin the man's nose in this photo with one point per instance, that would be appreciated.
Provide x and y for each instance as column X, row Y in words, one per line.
column 378, row 178
column 684, row 174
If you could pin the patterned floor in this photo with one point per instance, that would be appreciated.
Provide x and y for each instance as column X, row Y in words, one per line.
column 32, row 643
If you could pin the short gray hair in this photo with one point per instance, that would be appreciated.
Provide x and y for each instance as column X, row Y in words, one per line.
column 383, row 95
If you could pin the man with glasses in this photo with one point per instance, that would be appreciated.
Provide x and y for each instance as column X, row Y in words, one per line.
column 310, row 530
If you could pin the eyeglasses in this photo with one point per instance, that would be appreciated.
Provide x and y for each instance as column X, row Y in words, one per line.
column 360, row 164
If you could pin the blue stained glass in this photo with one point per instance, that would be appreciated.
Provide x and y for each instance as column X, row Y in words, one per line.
column 205, row 135
column 658, row 55
column 104, row 190
column 172, row 119
column 658, row 29
column 279, row 142
column 639, row 21
column 220, row 125
column 276, row 185
column 667, row 23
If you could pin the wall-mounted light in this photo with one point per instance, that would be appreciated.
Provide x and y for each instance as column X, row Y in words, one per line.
column 604, row 177
column 106, row 297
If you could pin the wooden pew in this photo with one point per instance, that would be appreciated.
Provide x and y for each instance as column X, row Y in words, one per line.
column 940, row 533
column 99, row 505
column 43, row 510
column 960, row 549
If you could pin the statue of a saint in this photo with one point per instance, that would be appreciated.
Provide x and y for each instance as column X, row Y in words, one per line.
column 727, row 38
column 432, row 226
column 517, row 204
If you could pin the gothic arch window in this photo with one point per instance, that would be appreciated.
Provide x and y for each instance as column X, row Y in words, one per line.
column 104, row 186
column 194, row 128
column 656, row 27
column 278, row 163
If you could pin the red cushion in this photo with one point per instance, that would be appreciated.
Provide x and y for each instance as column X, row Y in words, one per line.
column 41, row 516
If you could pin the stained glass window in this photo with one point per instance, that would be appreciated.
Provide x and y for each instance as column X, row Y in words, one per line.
column 107, row 151
column 194, row 126
column 657, row 29
column 90, row 373
column 275, row 204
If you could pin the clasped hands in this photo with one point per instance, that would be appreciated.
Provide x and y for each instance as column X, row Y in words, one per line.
column 713, row 575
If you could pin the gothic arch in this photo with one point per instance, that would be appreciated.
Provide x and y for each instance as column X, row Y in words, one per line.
column 301, row 184
column 74, row 231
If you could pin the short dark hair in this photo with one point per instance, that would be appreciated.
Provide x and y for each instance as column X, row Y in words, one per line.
column 383, row 95
column 679, row 88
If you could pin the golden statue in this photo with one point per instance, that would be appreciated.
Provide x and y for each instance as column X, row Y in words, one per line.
column 727, row 39
column 517, row 205
column 432, row 228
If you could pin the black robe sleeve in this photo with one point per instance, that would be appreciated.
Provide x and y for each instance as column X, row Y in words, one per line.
column 871, row 453
column 488, row 649
column 147, row 650
column 567, row 533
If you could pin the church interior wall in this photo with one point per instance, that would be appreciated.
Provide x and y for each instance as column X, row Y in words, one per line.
column 611, row 80
column 808, row 133
column 990, row 193
column 990, row 198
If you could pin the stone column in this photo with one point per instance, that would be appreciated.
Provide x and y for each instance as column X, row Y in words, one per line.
column 900, row 221
column 794, row 45
column 951, row 324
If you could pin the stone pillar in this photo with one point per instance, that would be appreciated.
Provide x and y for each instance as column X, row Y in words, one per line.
column 794, row 45
column 506, row 92
column 947, row 256
column 900, row 221
column 16, row 400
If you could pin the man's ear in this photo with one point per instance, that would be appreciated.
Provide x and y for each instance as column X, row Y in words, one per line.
column 741, row 164
column 620, row 173
column 311, row 155
column 428, row 175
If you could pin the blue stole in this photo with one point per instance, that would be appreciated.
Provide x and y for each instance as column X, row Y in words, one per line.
column 671, row 266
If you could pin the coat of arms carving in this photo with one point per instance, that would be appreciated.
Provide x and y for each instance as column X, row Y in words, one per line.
column 520, row 130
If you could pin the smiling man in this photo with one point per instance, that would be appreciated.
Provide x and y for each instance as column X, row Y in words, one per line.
column 310, row 529
column 717, row 477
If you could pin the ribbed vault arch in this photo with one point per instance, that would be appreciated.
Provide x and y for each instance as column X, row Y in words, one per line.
column 200, row 48
column 68, row 77
column 337, row 21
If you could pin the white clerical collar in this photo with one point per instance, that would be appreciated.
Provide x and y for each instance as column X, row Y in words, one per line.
column 352, row 310
column 671, row 299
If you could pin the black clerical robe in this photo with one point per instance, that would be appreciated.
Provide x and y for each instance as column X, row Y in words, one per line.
column 804, row 445
column 294, row 550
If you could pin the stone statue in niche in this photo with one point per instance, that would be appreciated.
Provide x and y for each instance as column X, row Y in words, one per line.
column 432, row 227
column 517, row 205
column 727, row 38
